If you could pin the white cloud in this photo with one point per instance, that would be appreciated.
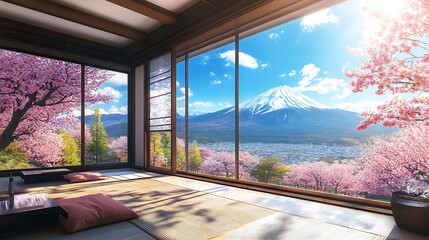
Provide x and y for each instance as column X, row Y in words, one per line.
column 190, row 93
column 228, row 76
column 115, row 100
column 177, row 83
column 324, row 16
column 182, row 90
column 91, row 112
column 225, row 104
column 201, row 104
column 282, row 75
column 346, row 91
column 212, row 74
column 245, row 59
column 121, row 110
column 205, row 59
column 118, row 79
column 309, row 72
column 264, row 65
column 216, row 82
column 359, row 106
column 110, row 91
column 324, row 86
column 273, row 35
column 325, row 72
column 292, row 73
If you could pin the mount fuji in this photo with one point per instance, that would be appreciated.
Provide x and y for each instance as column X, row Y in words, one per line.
column 281, row 114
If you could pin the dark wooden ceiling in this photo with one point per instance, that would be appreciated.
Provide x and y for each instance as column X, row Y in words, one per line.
column 194, row 19
column 186, row 24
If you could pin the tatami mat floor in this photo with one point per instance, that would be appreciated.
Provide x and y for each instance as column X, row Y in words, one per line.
column 179, row 208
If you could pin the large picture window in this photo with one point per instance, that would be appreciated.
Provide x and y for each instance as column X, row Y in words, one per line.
column 294, row 113
column 40, row 113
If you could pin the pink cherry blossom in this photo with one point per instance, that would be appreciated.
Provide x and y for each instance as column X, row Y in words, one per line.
column 120, row 147
column 397, row 63
column 39, row 93
column 389, row 164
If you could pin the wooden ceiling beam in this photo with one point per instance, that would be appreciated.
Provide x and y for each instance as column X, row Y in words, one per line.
column 209, row 2
column 76, row 16
column 148, row 9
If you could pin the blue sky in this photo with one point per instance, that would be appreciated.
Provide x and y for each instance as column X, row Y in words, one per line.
column 117, row 88
column 309, row 54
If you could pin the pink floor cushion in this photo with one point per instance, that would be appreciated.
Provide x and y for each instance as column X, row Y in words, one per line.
column 84, row 177
column 92, row 211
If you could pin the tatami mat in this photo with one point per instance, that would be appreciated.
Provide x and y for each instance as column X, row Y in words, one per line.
column 115, row 231
column 178, row 208
column 286, row 226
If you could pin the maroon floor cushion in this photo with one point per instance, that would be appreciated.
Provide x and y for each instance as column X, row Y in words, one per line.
column 93, row 210
column 84, row 177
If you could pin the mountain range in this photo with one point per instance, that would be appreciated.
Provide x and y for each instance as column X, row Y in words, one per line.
column 281, row 114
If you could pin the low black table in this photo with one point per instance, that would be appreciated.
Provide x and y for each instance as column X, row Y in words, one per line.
column 44, row 175
column 28, row 210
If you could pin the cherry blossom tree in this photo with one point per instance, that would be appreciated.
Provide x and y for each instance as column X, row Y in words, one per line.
column 75, row 132
column 43, row 147
column 206, row 153
column 390, row 164
column 247, row 163
column 398, row 62
column 296, row 177
column 35, row 91
column 212, row 166
column 340, row 177
column 222, row 163
column 316, row 173
column 120, row 147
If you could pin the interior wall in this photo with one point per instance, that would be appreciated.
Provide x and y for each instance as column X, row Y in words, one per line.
column 139, row 116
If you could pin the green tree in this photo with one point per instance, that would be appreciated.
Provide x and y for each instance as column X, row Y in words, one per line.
column 99, row 146
column 156, row 150
column 180, row 158
column 166, row 145
column 195, row 159
column 270, row 170
column 70, row 150
column 13, row 157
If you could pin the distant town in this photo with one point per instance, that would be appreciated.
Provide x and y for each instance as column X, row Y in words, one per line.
column 291, row 153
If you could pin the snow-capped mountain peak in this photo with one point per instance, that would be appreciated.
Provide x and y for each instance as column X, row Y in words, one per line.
column 281, row 97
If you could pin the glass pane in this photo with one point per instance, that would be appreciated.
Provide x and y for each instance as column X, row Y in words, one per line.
column 161, row 121
column 160, row 65
column 211, row 112
column 160, row 106
column 180, row 116
column 160, row 88
column 160, row 77
column 160, row 128
column 47, row 133
column 106, row 116
column 160, row 149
